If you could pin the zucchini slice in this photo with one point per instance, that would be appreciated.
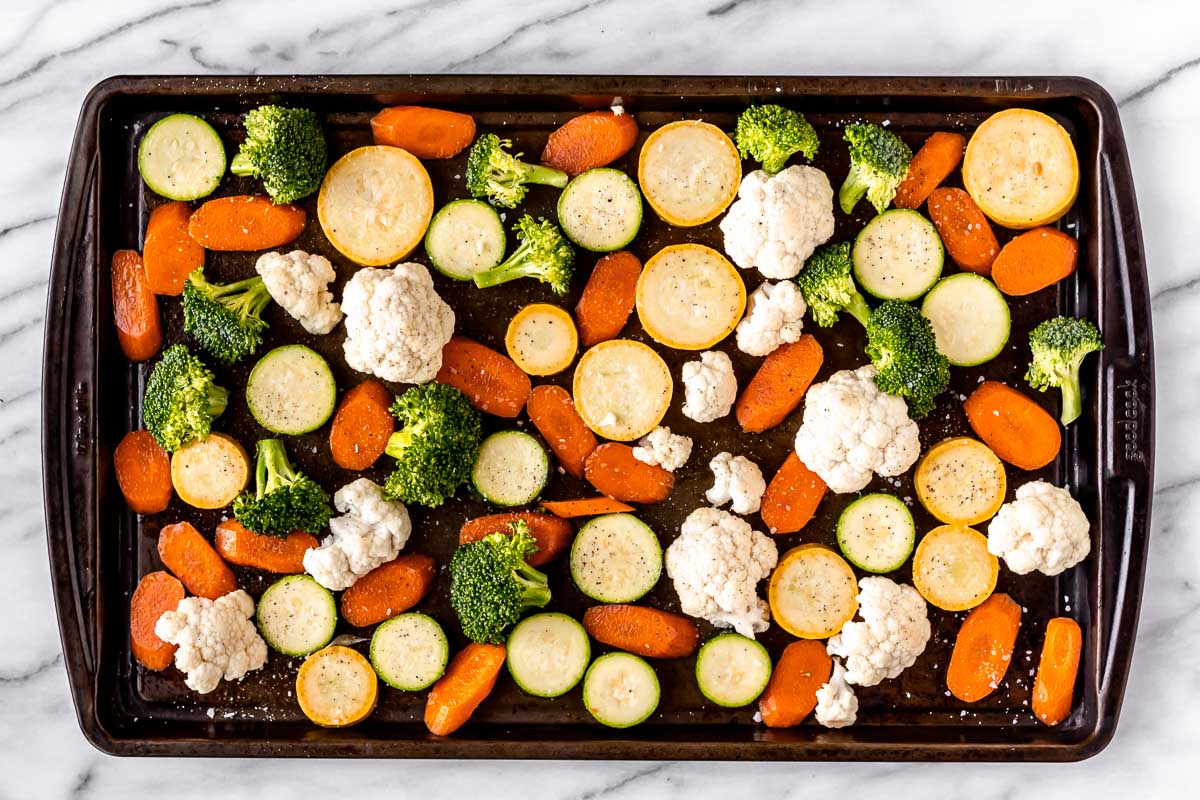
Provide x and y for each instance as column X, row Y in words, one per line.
column 548, row 654
column 961, row 481
column 732, row 670
column 953, row 569
column 181, row 157
column 336, row 687
column 296, row 615
column 620, row 690
column 689, row 297
column 898, row 255
column 409, row 652
column 689, row 171
column 616, row 558
column 465, row 237
column 970, row 318
column 876, row 533
column 210, row 472
column 291, row 390
column 511, row 469
column 622, row 389
column 542, row 339
column 601, row 210
column 812, row 592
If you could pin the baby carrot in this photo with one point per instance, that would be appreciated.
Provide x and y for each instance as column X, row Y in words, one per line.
column 244, row 223
column 1054, row 687
column 170, row 253
column 642, row 631
column 1034, row 260
column 193, row 560
column 552, row 412
column 590, row 140
column 243, row 547
column 143, row 472
column 585, row 507
column 135, row 308
column 613, row 470
column 964, row 229
column 779, row 385
column 362, row 425
column 490, row 380
column 791, row 694
column 424, row 132
column 608, row 299
column 938, row 157
column 984, row 648
column 156, row 594
column 468, row 681
column 1016, row 428
column 791, row 497
column 388, row 590
column 552, row 534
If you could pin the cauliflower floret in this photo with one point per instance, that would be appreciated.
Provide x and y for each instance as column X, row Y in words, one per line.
column 736, row 479
column 371, row 531
column 716, row 564
column 216, row 639
column 709, row 387
column 837, row 705
column 778, row 220
column 664, row 449
column 774, row 316
column 852, row 429
column 1044, row 529
column 299, row 283
column 396, row 325
column 894, row 631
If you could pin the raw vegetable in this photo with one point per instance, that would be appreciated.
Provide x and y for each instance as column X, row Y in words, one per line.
column 964, row 230
column 170, row 253
column 489, row 380
column 1059, row 346
column 409, row 652
column 828, row 286
column 285, row 147
column 953, row 569
column 601, row 210
column 284, row 499
column 642, row 631
column 876, row 533
column 620, row 690
column 732, row 671
column 436, row 445
column 155, row 594
column 135, row 308
column 216, row 639
column 878, row 165
column 970, row 319
column 511, row 469
column 1054, row 687
column 591, row 140
column 616, row 558
column 615, row 472
column 551, row 534
column 465, row 237
column 608, row 298
column 548, row 654
column 983, row 649
column 960, row 481
column 336, row 687
column 541, row 339
column 193, row 561
column 369, row 532
column 542, row 253
column 902, row 346
column 362, row 426
column 932, row 164
column 491, row 583
column 468, row 681
column 1035, row 260
column 792, row 496
column 891, row 636
column 182, row 399
column 812, row 592
column 210, row 472
column 791, row 694
column 689, row 171
column 779, row 385
column 585, row 507
column 296, row 615
column 1042, row 529
column 291, row 390
column 689, row 297
column 245, row 223
column 898, row 255
column 622, row 389
column 143, row 472
column 553, row 413
column 424, row 132
column 501, row 177
column 225, row 318
column 390, row 589
column 238, row 545
column 772, row 134
column 181, row 157
column 1016, row 428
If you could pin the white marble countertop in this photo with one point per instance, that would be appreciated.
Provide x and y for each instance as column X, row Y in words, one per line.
column 53, row 51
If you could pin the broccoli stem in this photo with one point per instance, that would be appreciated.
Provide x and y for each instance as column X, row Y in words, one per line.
column 218, row 400
column 511, row 268
column 241, row 165
column 543, row 176
column 537, row 592
column 853, row 189
column 247, row 297
column 272, row 470
column 858, row 308
column 1072, row 404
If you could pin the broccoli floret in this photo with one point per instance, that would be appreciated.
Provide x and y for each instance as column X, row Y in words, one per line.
column 878, row 165
column 491, row 583
column 901, row 344
column 501, row 177
column 284, row 499
column 828, row 287
column 1059, row 346
column 225, row 318
column 544, row 253
column 771, row 134
column 182, row 399
column 286, row 148
column 436, row 447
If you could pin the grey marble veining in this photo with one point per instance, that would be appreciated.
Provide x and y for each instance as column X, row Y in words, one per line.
column 52, row 51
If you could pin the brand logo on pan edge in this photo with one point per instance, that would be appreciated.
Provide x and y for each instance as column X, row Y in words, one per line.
column 1128, row 409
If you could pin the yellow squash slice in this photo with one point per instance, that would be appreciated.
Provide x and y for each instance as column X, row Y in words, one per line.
column 689, row 171
column 211, row 472
column 336, row 687
column 813, row 592
column 953, row 569
column 690, row 297
column 622, row 389
column 542, row 339
column 961, row 481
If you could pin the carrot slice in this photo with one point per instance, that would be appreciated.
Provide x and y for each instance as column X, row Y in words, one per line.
column 792, row 496
column 244, row 547
column 964, row 229
column 490, row 380
column 585, row 507
column 193, row 560
column 245, row 222
column 609, row 298
column 362, row 426
column 613, row 470
column 643, row 631
column 468, row 681
column 135, row 308
column 143, row 472
column 590, row 140
column 779, row 385
column 1054, row 687
column 156, row 594
column 424, row 132
column 170, row 253
column 552, row 412
column 984, row 648
column 791, row 694
column 551, row 533
column 1034, row 260
column 938, row 157
column 1015, row 427
column 388, row 590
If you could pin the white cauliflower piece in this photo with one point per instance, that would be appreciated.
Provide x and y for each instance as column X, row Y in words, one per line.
column 370, row 531
column 837, row 705
column 396, row 324
column 1044, row 529
column 893, row 633
column 778, row 220
column 299, row 283
column 709, row 387
column 664, row 449
column 736, row 480
column 716, row 564
column 851, row 429
column 216, row 639
column 774, row 316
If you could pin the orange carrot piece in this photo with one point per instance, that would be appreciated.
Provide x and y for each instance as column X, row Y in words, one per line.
column 193, row 560
column 965, row 231
column 468, row 681
column 156, row 594
column 551, row 533
column 779, row 385
column 491, row 381
column 552, row 412
column 135, row 308
column 938, row 157
column 362, row 426
column 170, row 253
column 643, row 631
column 791, row 694
column 792, row 496
column 984, row 648
column 389, row 589
column 1034, row 260
column 590, row 140
column 1054, row 687
column 585, row 507
column 1016, row 428
column 245, row 222
column 424, row 132
column 239, row 545
column 143, row 472
column 613, row 470
column 608, row 299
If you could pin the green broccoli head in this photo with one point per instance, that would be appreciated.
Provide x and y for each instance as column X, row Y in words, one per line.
column 771, row 134
column 182, row 399
column 878, row 165
column 225, row 318
column 901, row 344
column 543, row 253
column 1059, row 346
column 436, row 445
column 285, row 147
column 284, row 499
column 828, row 286
column 491, row 584
column 501, row 177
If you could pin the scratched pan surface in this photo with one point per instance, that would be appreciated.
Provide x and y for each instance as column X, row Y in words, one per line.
column 99, row 549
